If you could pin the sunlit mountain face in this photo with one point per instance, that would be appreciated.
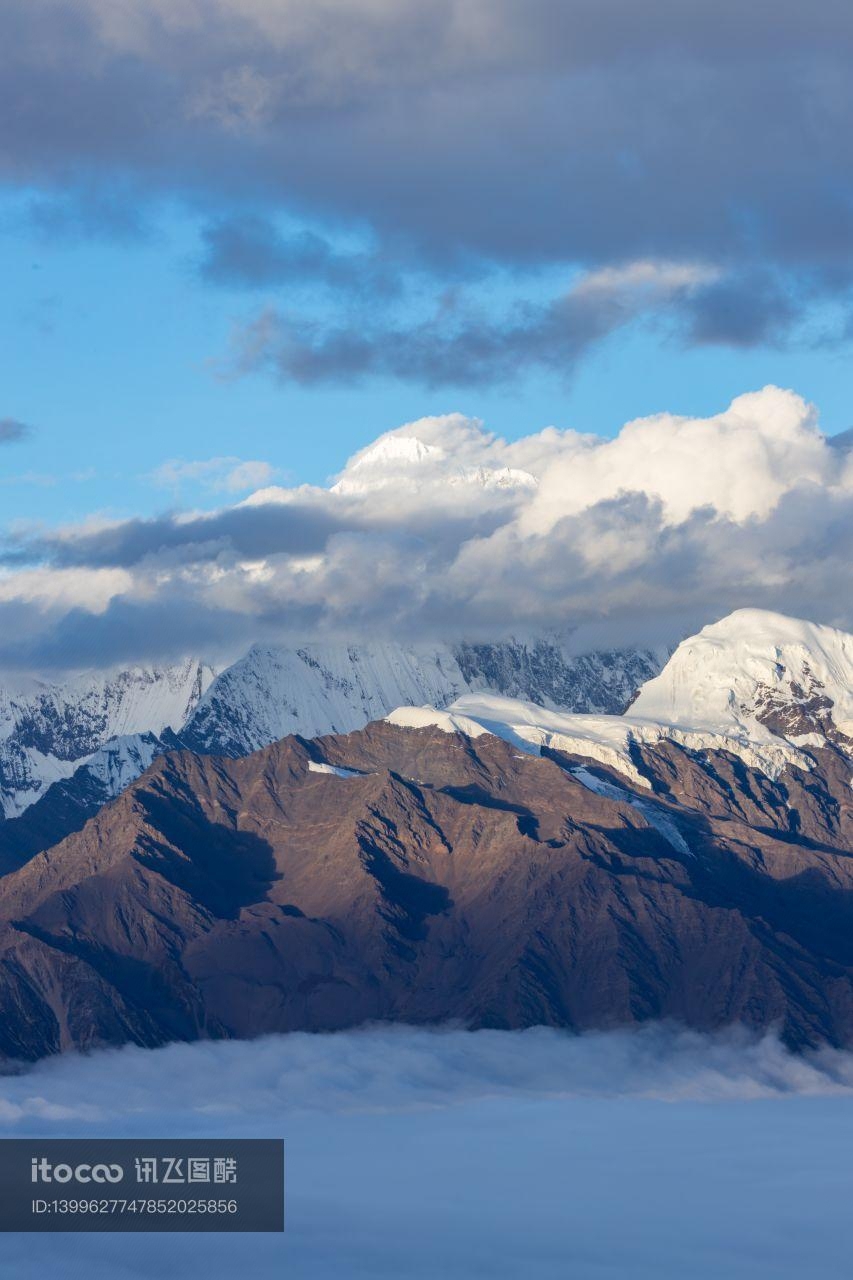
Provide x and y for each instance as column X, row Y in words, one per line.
column 685, row 860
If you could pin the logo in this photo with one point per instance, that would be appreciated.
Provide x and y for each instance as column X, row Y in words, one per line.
column 44, row 1171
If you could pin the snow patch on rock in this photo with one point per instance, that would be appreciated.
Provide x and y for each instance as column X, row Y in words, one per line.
column 317, row 766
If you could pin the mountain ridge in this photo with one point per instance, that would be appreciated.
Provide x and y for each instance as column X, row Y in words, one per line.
column 52, row 755
column 47, row 731
column 435, row 871
column 762, row 686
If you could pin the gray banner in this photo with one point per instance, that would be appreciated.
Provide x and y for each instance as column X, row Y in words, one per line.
column 141, row 1184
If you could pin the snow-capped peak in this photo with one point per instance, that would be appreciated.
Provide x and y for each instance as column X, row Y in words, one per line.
column 756, row 670
column 392, row 459
column 395, row 449
column 48, row 730
column 756, row 684
column 402, row 461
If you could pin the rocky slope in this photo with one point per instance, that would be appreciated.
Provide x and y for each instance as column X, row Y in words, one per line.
column 494, row 862
column 421, row 875
column 67, row 805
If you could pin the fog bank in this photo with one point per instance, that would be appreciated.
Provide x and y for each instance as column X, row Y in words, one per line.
column 414, row 1153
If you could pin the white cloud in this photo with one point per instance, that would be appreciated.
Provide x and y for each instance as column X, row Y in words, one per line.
column 443, row 529
column 738, row 463
column 228, row 475
column 646, row 275
column 394, row 1068
column 58, row 589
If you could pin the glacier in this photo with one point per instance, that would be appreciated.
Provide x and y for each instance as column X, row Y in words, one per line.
column 759, row 685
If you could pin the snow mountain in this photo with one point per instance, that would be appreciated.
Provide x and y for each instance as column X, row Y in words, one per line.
column 66, row 750
column 402, row 874
column 404, row 463
column 48, row 730
column 761, row 686
column 754, row 672
column 317, row 689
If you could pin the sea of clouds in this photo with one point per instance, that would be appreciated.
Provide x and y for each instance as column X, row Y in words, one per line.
column 416, row 1153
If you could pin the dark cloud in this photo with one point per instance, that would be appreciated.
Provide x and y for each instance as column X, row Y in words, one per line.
column 585, row 132
column 747, row 309
column 127, row 632
column 243, row 531
column 12, row 430
column 250, row 252
column 456, row 137
column 459, row 344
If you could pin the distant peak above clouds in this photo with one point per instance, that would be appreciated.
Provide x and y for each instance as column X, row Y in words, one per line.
column 462, row 453
column 394, row 458
column 737, row 463
column 442, row 531
column 394, row 449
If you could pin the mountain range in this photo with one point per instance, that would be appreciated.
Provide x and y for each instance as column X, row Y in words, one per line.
column 67, row 749
column 491, row 861
column 47, row 730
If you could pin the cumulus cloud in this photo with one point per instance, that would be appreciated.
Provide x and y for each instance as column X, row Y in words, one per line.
column 738, row 463
column 413, row 1152
column 442, row 530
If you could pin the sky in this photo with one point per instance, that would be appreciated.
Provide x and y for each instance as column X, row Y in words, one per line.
column 653, row 1153
column 240, row 240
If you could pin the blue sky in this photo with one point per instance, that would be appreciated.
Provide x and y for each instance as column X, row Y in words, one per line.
column 114, row 353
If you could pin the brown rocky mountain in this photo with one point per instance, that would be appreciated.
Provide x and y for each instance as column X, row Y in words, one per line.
column 425, row 876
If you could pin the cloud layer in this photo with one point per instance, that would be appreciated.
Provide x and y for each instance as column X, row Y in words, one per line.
column 461, row 344
column 412, row 1153
column 459, row 137
column 441, row 530
column 579, row 131
column 397, row 1068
